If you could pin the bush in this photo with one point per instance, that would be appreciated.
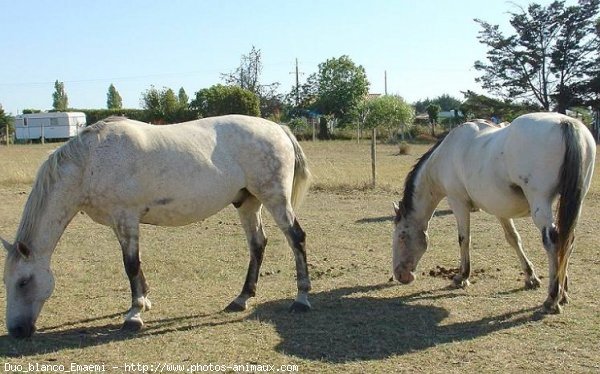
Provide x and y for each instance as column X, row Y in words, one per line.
column 403, row 148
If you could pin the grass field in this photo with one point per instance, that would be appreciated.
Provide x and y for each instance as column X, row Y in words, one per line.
column 360, row 321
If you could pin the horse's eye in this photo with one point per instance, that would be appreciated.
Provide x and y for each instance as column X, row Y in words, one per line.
column 24, row 282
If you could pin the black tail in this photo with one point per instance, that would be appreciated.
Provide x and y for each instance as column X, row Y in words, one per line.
column 571, row 195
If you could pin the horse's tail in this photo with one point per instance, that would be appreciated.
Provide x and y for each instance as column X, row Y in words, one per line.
column 302, row 174
column 571, row 190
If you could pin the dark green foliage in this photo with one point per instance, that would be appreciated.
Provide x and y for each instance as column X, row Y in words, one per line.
column 30, row 111
column 5, row 120
column 164, row 107
column 94, row 115
column 445, row 101
column 433, row 110
column 481, row 106
column 547, row 58
column 219, row 100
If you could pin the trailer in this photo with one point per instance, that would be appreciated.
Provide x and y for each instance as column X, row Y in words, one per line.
column 54, row 125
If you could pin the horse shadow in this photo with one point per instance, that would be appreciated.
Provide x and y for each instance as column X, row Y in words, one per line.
column 345, row 325
column 348, row 325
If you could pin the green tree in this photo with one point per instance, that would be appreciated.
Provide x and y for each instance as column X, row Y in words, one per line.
column 548, row 56
column 481, row 106
column 183, row 98
column 6, row 121
column 163, row 106
column 219, row 100
column 388, row 112
column 341, row 86
column 433, row 111
column 60, row 101
column 247, row 76
column 445, row 101
column 113, row 99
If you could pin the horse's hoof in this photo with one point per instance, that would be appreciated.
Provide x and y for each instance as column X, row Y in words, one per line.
column 532, row 283
column 132, row 325
column 564, row 300
column 235, row 307
column 299, row 307
column 551, row 309
column 459, row 282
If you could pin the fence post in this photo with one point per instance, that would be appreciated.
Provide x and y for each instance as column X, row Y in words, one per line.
column 373, row 155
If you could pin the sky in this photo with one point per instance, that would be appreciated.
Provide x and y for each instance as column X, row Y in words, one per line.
column 427, row 47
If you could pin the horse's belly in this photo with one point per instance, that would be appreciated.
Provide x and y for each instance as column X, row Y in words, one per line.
column 506, row 203
column 179, row 213
column 159, row 211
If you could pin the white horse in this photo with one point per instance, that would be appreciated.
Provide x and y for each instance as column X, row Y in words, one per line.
column 510, row 172
column 123, row 173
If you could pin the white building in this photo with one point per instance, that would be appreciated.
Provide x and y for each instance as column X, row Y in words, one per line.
column 56, row 125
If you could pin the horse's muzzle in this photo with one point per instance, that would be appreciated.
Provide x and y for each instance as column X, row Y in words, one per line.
column 403, row 275
column 21, row 330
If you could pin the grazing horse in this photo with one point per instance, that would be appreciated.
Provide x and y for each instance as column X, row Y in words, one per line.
column 123, row 173
column 511, row 171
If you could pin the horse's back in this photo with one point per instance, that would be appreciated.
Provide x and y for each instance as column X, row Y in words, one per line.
column 182, row 173
column 497, row 168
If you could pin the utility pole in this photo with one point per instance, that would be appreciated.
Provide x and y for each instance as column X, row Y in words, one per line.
column 297, row 72
column 385, row 81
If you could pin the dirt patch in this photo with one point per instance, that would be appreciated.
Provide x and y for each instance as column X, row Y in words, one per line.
column 449, row 273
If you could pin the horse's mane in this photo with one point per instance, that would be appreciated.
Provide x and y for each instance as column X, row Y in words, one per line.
column 407, row 204
column 48, row 174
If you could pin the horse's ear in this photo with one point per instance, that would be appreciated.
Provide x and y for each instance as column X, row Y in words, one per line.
column 6, row 244
column 23, row 250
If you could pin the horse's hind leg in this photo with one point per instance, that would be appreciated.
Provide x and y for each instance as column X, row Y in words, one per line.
column 541, row 212
column 296, row 237
column 514, row 239
column 250, row 216
column 127, row 231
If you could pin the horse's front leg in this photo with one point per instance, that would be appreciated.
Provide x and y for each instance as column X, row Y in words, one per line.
column 463, row 220
column 127, row 231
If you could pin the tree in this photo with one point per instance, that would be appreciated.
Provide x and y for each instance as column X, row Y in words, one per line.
column 183, row 98
column 592, row 87
column 341, row 86
column 547, row 57
column 481, row 106
column 6, row 122
column 60, row 101
column 113, row 99
column 445, row 101
column 433, row 110
column 163, row 106
column 219, row 100
column 389, row 112
column 247, row 77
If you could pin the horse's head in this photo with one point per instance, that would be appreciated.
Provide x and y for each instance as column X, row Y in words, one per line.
column 408, row 244
column 29, row 283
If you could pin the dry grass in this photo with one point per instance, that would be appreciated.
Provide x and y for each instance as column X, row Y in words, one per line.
column 360, row 322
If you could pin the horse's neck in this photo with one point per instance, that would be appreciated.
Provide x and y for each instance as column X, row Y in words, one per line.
column 43, row 224
column 427, row 194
